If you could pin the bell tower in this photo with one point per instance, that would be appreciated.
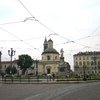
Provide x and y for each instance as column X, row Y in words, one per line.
column 45, row 44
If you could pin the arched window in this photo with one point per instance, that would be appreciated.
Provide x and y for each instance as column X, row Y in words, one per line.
column 55, row 57
column 87, row 62
column 48, row 57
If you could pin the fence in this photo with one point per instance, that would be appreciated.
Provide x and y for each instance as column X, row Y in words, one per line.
column 27, row 79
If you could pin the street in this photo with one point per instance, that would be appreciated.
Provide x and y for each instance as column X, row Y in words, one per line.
column 75, row 91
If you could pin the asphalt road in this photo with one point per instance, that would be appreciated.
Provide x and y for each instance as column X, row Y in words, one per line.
column 81, row 91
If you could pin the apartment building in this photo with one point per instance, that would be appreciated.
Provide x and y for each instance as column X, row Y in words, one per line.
column 88, row 62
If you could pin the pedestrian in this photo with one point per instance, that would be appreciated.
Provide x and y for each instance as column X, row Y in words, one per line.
column 50, row 77
column 53, row 76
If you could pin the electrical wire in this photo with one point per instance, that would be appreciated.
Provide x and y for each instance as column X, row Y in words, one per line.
column 15, row 37
column 94, row 30
column 12, row 22
column 35, row 18
column 22, row 40
column 45, row 27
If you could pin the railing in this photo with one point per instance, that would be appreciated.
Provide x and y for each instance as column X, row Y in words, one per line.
column 27, row 79
column 46, row 79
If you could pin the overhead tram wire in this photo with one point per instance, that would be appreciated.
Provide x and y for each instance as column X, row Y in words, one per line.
column 15, row 37
column 94, row 30
column 41, row 22
column 12, row 22
column 89, row 35
column 34, row 17
column 23, row 39
column 48, row 27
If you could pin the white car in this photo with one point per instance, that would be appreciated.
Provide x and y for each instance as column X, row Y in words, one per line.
column 49, row 74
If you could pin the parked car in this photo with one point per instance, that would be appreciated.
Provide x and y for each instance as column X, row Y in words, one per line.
column 49, row 74
column 44, row 74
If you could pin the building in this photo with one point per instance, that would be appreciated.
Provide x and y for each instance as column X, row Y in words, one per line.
column 88, row 62
column 5, row 64
column 52, row 62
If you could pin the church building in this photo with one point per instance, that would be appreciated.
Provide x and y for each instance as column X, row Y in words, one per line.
column 52, row 61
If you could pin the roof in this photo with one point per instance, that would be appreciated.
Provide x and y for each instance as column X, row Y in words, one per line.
column 50, row 50
column 50, row 40
column 88, row 53
column 5, row 62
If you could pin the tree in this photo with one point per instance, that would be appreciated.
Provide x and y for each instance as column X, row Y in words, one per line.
column 14, row 70
column 8, row 70
column 11, row 70
column 24, row 61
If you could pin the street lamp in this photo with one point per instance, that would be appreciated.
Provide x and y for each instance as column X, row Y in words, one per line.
column 11, row 53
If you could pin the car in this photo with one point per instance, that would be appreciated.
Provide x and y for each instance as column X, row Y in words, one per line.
column 49, row 74
column 44, row 74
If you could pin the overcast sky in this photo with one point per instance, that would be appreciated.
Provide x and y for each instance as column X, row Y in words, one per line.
column 73, row 25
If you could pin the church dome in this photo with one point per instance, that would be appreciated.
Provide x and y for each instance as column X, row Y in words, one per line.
column 50, row 50
column 50, row 40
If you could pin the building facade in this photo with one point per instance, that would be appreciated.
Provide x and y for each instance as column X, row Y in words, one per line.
column 51, row 61
column 88, row 62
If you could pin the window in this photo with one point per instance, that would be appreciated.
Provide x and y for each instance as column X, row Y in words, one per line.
column 55, row 57
column 87, row 62
column 84, row 63
column 80, row 63
column 98, row 62
column 99, row 67
column 76, row 63
column 91, row 63
column 83, row 58
column 48, row 57
column 80, row 58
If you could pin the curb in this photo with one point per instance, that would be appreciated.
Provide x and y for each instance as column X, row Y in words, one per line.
column 60, row 82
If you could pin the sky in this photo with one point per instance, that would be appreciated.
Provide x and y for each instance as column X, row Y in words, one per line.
column 73, row 25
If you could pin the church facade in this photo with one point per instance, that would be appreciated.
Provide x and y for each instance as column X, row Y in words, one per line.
column 52, row 61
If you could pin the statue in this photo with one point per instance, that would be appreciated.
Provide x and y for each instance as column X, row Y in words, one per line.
column 62, row 52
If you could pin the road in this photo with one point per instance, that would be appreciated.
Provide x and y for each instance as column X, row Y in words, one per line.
column 81, row 91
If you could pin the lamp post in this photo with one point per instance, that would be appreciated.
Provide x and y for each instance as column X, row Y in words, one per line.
column 11, row 53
